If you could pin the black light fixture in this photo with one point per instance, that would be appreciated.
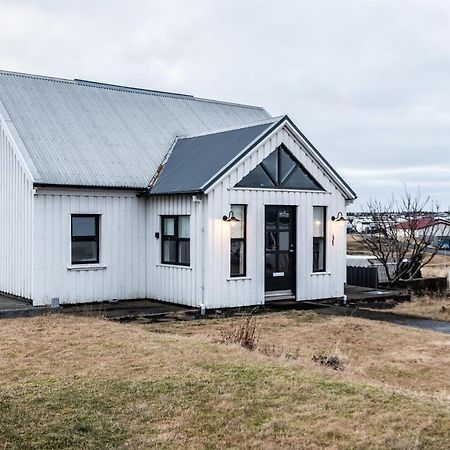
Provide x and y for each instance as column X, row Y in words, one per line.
column 230, row 218
column 338, row 218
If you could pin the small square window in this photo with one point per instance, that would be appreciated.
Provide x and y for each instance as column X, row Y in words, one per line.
column 175, row 245
column 85, row 238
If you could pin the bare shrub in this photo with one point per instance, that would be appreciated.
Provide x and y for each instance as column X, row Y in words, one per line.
column 244, row 332
column 333, row 361
column 278, row 352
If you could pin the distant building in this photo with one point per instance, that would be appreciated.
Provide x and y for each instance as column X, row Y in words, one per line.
column 438, row 228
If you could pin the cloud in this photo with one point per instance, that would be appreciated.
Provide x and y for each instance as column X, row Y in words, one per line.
column 366, row 81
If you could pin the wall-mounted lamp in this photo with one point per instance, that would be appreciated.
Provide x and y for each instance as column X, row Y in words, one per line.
column 338, row 218
column 230, row 218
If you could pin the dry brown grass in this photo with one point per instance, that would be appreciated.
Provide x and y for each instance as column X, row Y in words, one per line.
column 437, row 270
column 354, row 246
column 436, row 308
column 72, row 382
column 372, row 350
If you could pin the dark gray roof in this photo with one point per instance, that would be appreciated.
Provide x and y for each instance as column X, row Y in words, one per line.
column 82, row 133
column 195, row 162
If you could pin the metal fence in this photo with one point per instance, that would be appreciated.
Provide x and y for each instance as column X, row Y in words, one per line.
column 362, row 276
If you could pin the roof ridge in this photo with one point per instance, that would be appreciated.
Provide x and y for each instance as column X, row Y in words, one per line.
column 33, row 75
column 130, row 89
column 238, row 127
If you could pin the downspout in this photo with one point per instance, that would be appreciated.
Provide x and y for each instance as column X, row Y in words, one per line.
column 201, row 209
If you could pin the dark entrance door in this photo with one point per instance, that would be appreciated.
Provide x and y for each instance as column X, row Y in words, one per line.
column 280, row 250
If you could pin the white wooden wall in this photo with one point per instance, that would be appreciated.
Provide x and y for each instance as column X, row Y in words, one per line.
column 171, row 283
column 16, row 217
column 223, row 291
column 122, row 272
column 130, row 255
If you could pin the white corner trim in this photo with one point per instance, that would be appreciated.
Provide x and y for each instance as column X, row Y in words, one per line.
column 86, row 267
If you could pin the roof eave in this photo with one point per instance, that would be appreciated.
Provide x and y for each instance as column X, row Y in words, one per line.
column 149, row 193
column 209, row 185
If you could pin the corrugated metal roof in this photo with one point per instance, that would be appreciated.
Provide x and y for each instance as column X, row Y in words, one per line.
column 193, row 161
column 90, row 134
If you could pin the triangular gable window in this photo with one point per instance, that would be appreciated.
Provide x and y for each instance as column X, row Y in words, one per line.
column 280, row 170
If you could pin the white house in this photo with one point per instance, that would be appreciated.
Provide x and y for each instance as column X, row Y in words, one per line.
column 109, row 192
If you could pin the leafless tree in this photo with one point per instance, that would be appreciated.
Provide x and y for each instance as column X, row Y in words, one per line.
column 403, row 248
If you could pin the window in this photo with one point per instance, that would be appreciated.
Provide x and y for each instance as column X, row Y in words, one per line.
column 85, row 238
column 319, row 233
column 238, row 242
column 280, row 170
column 175, row 240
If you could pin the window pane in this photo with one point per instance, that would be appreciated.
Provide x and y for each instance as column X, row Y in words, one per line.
column 84, row 252
column 319, row 218
column 284, row 216
column 271, row 219
column 271, row 262
column 298, row 179
column 284, row 261
column 237, row 228
column 318, row 254
column 257, row 178
column 169, row 251
column 287, row 163
column 183, row 227
column 169, row 226
column 237, row 258
column 283, row 243
column 184, row 252
column 271, row 165
column 83, row 226
column 271, row 240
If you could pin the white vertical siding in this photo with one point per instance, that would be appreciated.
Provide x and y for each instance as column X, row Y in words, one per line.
column 223, row 291
column 16, row 216
column 130, row 255
column 173, row 283
column 122, row 272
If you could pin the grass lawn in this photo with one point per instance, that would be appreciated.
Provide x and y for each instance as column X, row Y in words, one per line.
column 436, row 308
column 78, row 382
column 439, row 265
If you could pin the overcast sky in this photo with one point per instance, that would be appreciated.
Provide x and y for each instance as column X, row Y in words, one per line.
column 368, row 82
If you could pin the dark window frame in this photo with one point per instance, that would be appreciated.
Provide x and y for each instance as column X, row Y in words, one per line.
column 95, row 238
column 321, row 239
column 244, row 240
column 175, row 238
column 280, row 181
